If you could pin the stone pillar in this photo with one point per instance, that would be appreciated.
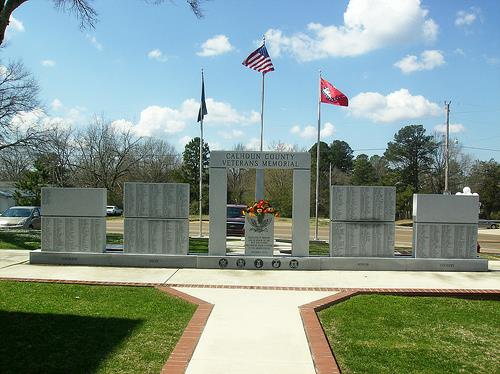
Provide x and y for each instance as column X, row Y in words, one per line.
column 217, row 211
column 300, row 212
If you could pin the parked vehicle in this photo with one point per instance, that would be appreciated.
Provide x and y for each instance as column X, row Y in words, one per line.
column 235, row 223
column 21, row 217
column 113, row 210
column 488, row 223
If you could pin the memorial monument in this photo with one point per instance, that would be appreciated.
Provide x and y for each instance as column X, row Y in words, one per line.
column 73, row 219
column 156, row 226
column 445, row 226
column 362, row 221
column 259, row 229
column 156, row 218
column 220, row 161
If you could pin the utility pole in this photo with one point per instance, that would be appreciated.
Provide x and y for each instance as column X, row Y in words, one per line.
column 447, row 149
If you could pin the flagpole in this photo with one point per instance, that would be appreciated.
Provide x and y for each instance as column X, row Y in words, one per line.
column 259, row 173
column 262, row 115
column 201, row 163
column 317, row 157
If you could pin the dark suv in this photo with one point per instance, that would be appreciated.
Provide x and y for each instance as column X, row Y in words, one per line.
column 235, row 223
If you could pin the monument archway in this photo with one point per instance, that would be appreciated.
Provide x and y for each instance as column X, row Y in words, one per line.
column 220, row 161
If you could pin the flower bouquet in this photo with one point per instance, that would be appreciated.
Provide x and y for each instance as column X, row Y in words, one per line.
column 259, row 209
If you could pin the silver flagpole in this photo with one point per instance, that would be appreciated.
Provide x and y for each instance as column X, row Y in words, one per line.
column 201, row 159
column 259, row 173
column 329, row 177
column 317, row 157
column 262, row 115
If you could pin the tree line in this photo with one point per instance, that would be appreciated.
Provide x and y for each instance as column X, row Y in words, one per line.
column 101, row 155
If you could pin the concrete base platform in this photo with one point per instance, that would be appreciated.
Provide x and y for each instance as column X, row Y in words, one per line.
column 256, row 263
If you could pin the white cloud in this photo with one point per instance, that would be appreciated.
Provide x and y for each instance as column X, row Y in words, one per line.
column 214, row 146
column 428, row 60
column 94, row 42
column 459, row 51
column 492, row 60
column 157, row 55
column 396, row 106
column 215, row 46
column 15, row 24
column 253, row 144
column 56, row 104
column 311, row 132
column 48, row 63
column 122, row 125
column 185, row 139
column 328, row 130
column 367, row 26
column 37, row 117
column 466, row 18
column 454, row 128
column 220, row 112
column 156, row 119
column 159, row 121
column 232, row 134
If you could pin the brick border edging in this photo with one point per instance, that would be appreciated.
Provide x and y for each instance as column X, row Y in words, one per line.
column 83, row 282
column 410, row 291
column 321, row 351
column 183, row 351
column 178, row 360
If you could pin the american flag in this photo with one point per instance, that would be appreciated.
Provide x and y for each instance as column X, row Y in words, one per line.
column 259, row 60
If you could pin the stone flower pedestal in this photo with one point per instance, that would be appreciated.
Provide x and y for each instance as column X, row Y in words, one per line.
column 259, row 235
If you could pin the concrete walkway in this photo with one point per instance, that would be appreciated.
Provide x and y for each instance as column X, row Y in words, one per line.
column 251, row 330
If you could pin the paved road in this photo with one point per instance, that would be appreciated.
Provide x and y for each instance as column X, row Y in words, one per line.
column 489, row 239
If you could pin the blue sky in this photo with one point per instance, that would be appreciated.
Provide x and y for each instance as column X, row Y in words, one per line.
column 397, row 61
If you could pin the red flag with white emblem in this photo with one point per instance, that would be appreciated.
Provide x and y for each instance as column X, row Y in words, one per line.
column 331, row 95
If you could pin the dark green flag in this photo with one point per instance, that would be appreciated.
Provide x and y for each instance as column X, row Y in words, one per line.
column 203, row 107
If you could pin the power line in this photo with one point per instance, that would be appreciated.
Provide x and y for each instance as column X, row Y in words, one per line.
column 482, row 149
column 477, row 111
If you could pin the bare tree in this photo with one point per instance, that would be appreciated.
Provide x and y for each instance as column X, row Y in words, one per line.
column 18, row 101
column 158, row 161
column 106, row 156
column 81, row 9
column 459, row 166
column 14, row 162
column 59, row 151
column 279, row 183
column 238, row 181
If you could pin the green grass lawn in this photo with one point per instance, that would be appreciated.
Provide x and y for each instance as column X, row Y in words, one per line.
column 396, row 334
column 20, row 239
column 60, row 328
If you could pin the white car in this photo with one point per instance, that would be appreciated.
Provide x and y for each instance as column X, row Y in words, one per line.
column 113, row 210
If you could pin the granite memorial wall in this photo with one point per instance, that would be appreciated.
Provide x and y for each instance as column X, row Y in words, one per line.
column 362, row 221
column 73, row 219
column 445, row 226
column 156, row 218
